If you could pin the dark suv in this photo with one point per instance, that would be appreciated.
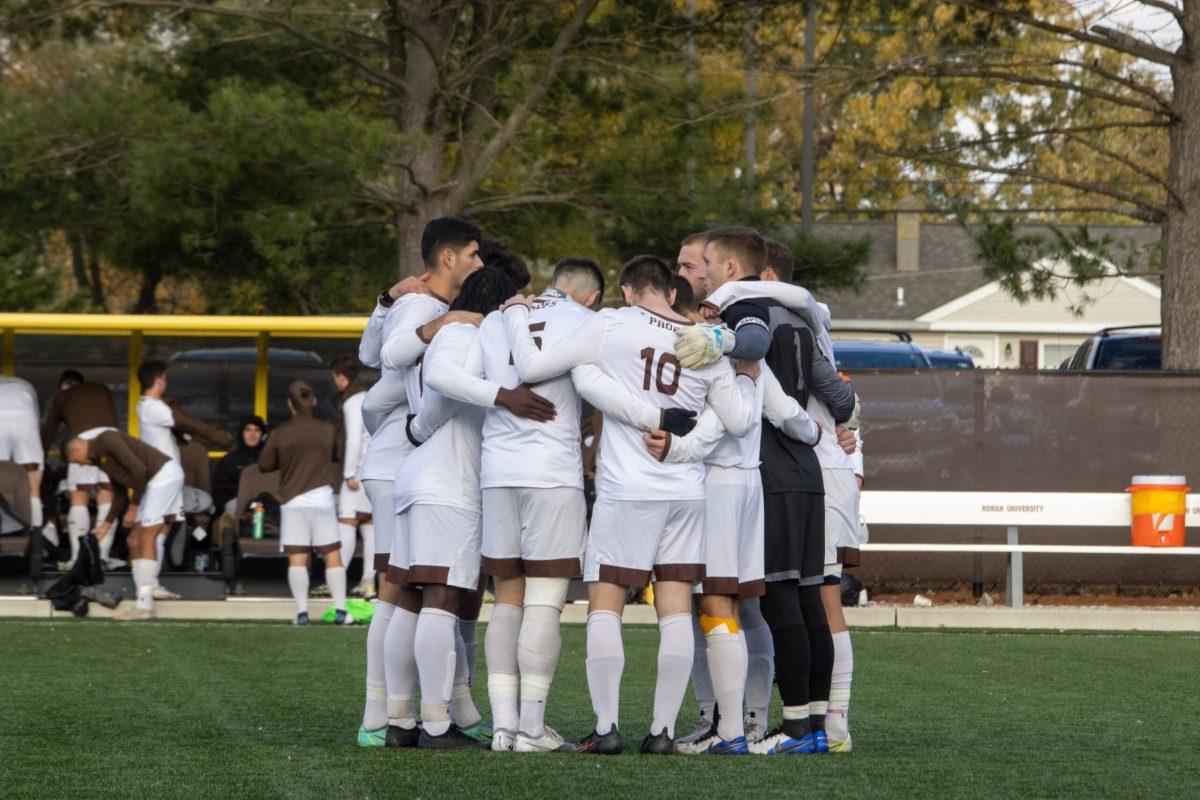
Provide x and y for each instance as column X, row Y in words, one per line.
column 902, row 354
column 1128, row 347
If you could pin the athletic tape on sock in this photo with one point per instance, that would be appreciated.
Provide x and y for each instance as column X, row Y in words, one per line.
column 717, row 625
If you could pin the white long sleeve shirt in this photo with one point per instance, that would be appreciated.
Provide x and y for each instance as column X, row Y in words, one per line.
column 357, row 438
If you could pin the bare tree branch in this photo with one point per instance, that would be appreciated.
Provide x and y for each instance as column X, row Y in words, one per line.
column 1151, row 212
column 1124, row 160
column 1163, row 5
column 1132, row 47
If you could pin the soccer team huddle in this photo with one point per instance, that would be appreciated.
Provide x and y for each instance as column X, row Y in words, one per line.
column 727, row 476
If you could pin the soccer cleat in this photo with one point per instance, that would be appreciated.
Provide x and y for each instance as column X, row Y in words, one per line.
column 112, row 564
column 453, row 739
column 301, row 618
column 840, row 745
column 820, row 741
column 551, row 741
column 376, row 738
column 754, row 728
column 136, row 614
column 778, row 742
column 601, row 744
column 657, row 744
column 502, row 740
column 481, row 731
column 322, row 591
column 402, row 737
column 340, row 617
column 365, row 590
column 704, row 728
column 163, row 593
column 736, row 747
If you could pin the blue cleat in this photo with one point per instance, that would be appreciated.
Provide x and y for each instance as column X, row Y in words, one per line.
column 736, row 747
column 368, row 738
column 778, row 742
column 820, row 741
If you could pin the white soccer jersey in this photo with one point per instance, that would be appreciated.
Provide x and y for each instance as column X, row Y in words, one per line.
column 402, row 348
column 636, row 348
column 18, row 402
column 521, row 452
column 357, row 438
column 445, row 469
column 155, row 422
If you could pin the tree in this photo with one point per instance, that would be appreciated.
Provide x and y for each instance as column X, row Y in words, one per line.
column 1091, row 112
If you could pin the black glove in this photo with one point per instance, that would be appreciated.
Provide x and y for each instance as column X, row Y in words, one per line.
column 678, row 421
column 408, row 431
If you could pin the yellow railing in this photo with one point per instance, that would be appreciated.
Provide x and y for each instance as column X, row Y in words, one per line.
column 136, row 326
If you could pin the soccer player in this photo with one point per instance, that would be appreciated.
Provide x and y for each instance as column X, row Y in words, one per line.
column 354, row 509
column 689, row 264
column 302, row 449
column 734, row 545
column 450, row 251
column 157, row 485
column 19, row 442
column 648, row 521
column 159, row 422
column 792, row 484
column 86, row 409
column 439, row 507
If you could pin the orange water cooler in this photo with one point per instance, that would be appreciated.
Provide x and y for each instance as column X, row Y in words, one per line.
column 1159, row 510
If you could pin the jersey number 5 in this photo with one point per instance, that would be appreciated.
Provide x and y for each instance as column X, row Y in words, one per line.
column 536, row 327
column 649, row 355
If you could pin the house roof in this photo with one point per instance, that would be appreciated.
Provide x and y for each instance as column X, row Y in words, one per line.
column 949, row 267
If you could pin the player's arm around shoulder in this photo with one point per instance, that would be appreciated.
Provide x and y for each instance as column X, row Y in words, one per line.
column 689, row 448
column 534, row 364
column 782, row 411
column 731, row 389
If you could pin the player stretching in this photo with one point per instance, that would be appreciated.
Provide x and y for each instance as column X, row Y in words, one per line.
column 648, row 519
column 157, row 485
column 302, row 450
column 354, row 510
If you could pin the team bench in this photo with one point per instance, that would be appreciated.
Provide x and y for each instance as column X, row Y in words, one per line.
column 1011, row 510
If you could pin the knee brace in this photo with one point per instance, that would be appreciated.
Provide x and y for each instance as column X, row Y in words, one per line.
column 546, row 592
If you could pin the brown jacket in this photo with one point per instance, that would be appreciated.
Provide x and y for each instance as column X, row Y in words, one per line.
column 126, row 460
column 302, row 449
column 82, row 407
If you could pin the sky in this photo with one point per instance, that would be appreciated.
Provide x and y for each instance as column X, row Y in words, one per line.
column 1149, row 23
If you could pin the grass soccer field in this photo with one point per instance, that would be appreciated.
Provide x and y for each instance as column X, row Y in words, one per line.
column 194, row 710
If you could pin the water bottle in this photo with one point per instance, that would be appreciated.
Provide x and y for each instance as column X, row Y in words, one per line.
column 258, row 512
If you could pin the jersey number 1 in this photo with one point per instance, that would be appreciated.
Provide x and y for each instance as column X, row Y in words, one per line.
column 664, row 360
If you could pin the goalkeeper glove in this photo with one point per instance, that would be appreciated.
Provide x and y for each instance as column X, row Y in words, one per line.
column 678, row 421
column 700, row 345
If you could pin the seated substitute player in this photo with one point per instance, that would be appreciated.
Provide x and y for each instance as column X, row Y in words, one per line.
column 354, row 509
column 437, row 543
column 86, row 409
column 794, row 515
column 302, row 449
column 19, row 441
column 648, row 520
column 157, row 485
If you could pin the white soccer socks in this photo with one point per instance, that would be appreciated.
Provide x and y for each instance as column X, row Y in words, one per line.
column 435, row 650
column 837, row 722
column 726, row 652
column 78, row 523
column 462, row 706
column 348, row 538
column 605, row 663
column 537, row 654
column 35, row 513
column 400, row 667
column 367, row 531
column 102, row 510
column 145, row 578
column 298, row 583
column 375, row 710
column 760, row 667
column 336, row 578
column 702, row 684
column 675, row 645
column 500, row 646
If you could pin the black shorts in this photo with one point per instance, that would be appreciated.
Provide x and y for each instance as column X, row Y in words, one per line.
column 794, row 537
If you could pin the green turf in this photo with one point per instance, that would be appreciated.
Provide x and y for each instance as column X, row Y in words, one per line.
column 96, row 709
